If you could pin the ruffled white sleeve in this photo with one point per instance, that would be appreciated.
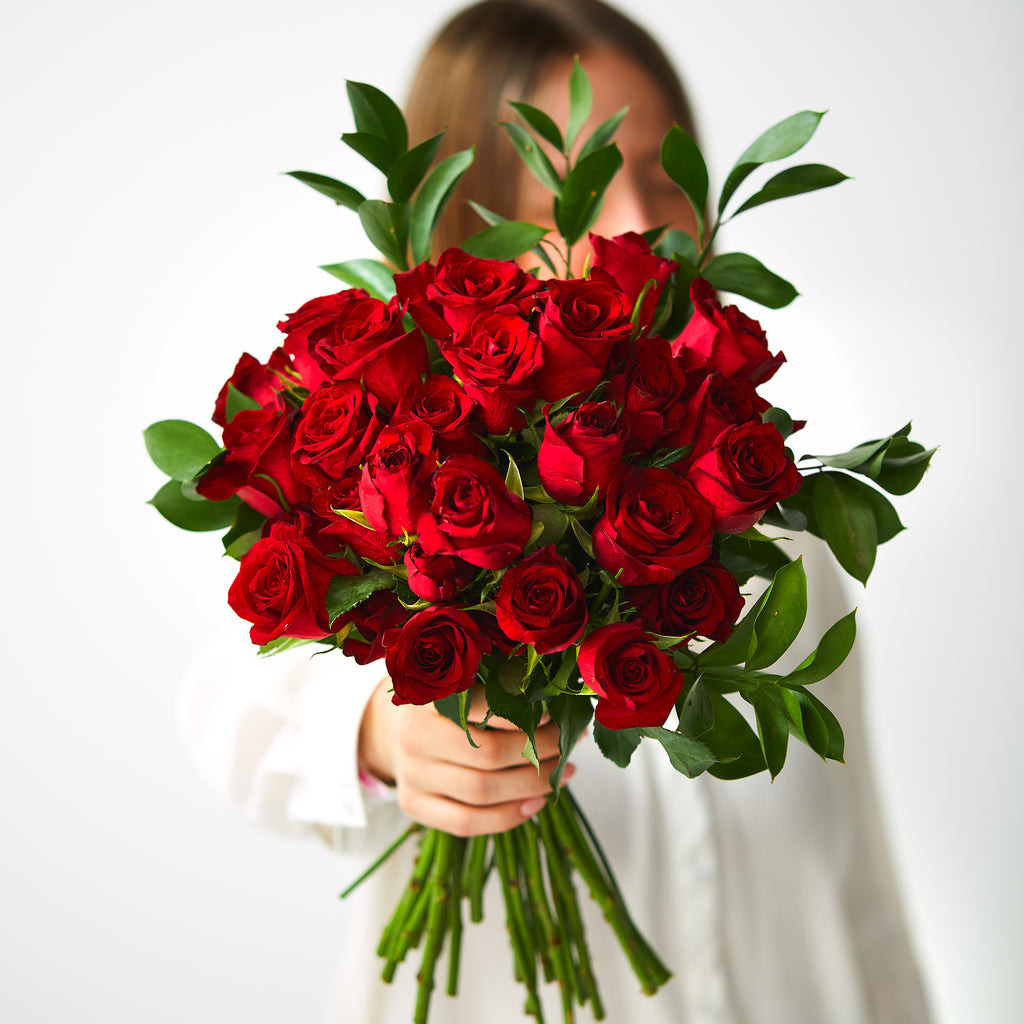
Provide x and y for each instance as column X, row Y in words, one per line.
column 278, row 737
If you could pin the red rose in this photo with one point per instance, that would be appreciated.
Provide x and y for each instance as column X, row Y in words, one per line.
column 579, row 326
column 411, row 289
column 636, row 684
column 437, row 577
column 474, row 515
column 281, row 586
column 262, row 383
column 655, row 525
column 746, row 473
column 441, row 403
column 378, row 614
column 496, row 356
column 338, row 427
column 629, row 260
column 541, row 601
column 365, row 541
column 725, row 341
column 704, row 600
column 435, row 654
column 315, row 315
column 395, row 487
column 582, row 453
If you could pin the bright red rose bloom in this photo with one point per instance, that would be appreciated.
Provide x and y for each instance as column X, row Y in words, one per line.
column 437, row 577
column 582, row 453
column 719, row 403
column 435, row 654
column 655, row 525
column 378, row 614
column 474, row 515
column 541, row 601
column 724, row 341
column 746, row 473
column 262, row 383
column 281, row 586
column 365, row 541
column 411, row 289
column 636, row 684
column 450, row 413
column 310, row 317
column 629, row 260
column 395, row 487
column 704, row 600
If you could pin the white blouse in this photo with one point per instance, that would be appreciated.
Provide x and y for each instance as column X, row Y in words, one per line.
column 772, row 903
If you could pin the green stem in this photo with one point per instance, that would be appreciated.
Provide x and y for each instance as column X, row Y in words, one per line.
column 455, row 915
column 476, row 875
column 414, row 827
column 436, row 924
column 406, row 904
column 519, row 933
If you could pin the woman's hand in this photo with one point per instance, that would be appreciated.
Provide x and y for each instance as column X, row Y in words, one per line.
column 445, row 783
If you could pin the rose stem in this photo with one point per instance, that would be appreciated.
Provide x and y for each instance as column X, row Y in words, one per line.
column 412, row 890
column 475, row 876
column 526, row 968
column 534, row 902
column 455, row 915
column 562, row 886
column 414, row 827
column 437, row 920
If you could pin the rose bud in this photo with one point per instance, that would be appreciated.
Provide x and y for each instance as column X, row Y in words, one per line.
column 629, row 260
column 579, row 326
column 636, row 684
column 310, row 317
column 724, row 341
column 582, row 453
column 263, row 383
column 395, row 487
column 541, row 602
column 281, row 586
column 704, row 600
column 374, row 617
column 450, row 413
column 437, row 577
column 746, row 473
column 435, row 654
column 654, row 526
column 474, row 515
column 365, row 541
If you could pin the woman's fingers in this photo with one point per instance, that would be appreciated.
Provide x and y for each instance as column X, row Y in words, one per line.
column 434, row 736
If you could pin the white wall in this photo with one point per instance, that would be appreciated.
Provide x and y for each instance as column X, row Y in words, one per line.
column 149, row 238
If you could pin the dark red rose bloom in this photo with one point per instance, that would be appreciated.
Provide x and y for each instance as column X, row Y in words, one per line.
column 338, row 427
column 257, row 463
column 437, row 577
column 582, row 453
column 313, row 316
column 464, row 286
column 263, row 383
column 636, row 684
column 724, row 341
column 474, row 515
column 746, row 473
column 579, row 326
column 435, row 654
column 717, row 404
column 395, row 487
column 380, row 612
column 281, row 586
column 496, row 356
column 365, row 541
column 541, row 601
column 704, row 600
column 629, row 260
column 655, row 525
column 450, row 413
column 650, row 391
column 411, row 289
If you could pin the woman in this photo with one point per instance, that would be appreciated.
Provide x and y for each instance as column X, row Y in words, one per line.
column 770, row 903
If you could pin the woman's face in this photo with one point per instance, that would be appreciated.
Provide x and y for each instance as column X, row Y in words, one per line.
column 641, row 196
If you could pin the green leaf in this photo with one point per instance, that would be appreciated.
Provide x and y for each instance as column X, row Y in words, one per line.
column 514, row 707
column 387, row 227
column 733, row 742
column 904, row 466
column 688, row 756
column 684, row 164
column 197, row 515
column 830, row 653
column 779, row 620
column 491, row 218
column 780, row 419
column 846, row 519
column 377, row 114
column 678, row 243
column 744, row 557
column 553, row 520
column 581, row 103
column 735, row 650
column 541, row 124
column 236, row 402
column 602, row 134
column 572, row 714
column 617, row 744
column 794, row 181
column 410, row 168
column 513, row 479
column 584, row 188
column 585, row 540
column 504, row 241
column 533, row 156
column 245, row 531
column 345, row 592
column 342, row 194
column 455, row 707
column 373, row 148
column 781, row 140
column 696, row 715
column 179, row 448
column 743, row 275
column 772, row 729
column 835, row 748
column 863, row 455
column 281, row 644
column 374, row 276
column 431, row 200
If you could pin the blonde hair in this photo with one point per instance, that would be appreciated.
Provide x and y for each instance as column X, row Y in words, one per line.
column 500, row 50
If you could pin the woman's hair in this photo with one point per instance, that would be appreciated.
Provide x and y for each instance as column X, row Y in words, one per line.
column 500, row 50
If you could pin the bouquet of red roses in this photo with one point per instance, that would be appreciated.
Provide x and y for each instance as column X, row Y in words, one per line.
column 548, row 485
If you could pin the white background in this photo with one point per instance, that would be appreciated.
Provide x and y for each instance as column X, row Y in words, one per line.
column 149, row 238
